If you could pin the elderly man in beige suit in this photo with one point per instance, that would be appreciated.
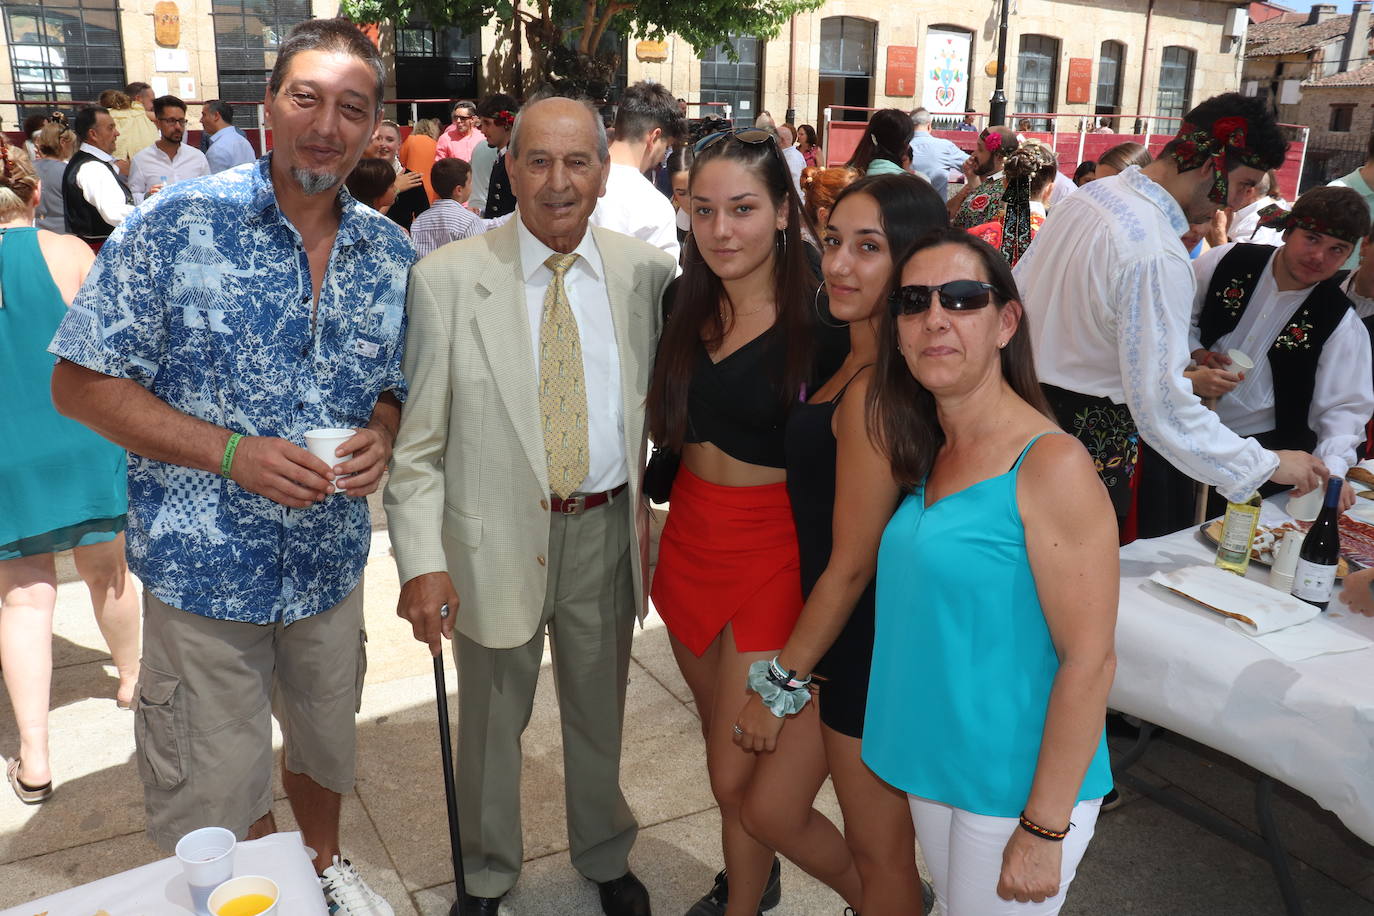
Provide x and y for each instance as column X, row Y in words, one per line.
column 515, row 493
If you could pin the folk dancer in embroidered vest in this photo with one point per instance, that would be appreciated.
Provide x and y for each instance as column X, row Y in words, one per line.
column 496, row 114
column 984, row 180
column 1312, row 388
column 1108, row 289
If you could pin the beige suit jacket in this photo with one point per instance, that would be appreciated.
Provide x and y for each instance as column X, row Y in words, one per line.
column 469, row 482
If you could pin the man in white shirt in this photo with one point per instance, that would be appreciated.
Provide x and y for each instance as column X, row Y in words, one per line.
column 168, row 160
column 1108, row 289
column 1312, row 387
column 95, row 199
column 226, row 146
column 646, row 124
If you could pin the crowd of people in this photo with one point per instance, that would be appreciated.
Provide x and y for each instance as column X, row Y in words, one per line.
column 858, row 387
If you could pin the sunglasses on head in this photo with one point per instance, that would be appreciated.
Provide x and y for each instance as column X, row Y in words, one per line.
column 955, row 296
column 751, row 135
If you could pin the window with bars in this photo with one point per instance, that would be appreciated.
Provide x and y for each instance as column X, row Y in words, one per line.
column 1175, row 83
column 247, row 35
column 1037, row 74
column 1110, row 65
column 63, row 50
column 734, row 82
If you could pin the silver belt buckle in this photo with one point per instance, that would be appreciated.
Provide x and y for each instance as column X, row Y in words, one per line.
column 573, row 505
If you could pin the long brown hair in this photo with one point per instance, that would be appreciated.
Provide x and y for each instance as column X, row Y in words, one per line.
column 901, row 412
column 696, row 318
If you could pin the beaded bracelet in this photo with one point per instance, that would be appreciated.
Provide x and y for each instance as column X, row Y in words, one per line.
column 1044, row 833
column 229, row 448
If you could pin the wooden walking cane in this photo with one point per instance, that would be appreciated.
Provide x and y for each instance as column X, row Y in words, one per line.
column 450, row 792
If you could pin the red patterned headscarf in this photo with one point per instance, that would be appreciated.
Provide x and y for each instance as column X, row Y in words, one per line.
column 1195, row 146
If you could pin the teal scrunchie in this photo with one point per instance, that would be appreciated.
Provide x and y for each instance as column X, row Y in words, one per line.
column 780, row 702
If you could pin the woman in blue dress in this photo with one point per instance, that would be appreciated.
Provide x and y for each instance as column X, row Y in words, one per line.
column 997, row 594
column 61, row 485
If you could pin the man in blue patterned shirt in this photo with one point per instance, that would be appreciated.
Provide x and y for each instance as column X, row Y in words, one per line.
column 223, row 320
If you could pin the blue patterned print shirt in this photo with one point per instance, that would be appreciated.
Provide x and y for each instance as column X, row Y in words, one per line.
column 203, row 296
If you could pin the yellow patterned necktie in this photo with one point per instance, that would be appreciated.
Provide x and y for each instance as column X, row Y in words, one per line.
column 562, row 385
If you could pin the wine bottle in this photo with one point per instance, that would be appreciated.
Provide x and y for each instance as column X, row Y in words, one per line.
column 1315, row 578
column 1238, row 534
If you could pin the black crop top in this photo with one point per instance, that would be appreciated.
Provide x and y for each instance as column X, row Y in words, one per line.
column 734, row 404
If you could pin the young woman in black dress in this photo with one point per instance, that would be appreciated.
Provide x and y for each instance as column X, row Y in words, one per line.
column 842, row 495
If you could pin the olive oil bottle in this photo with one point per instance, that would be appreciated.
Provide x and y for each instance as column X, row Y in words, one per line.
column 1237, row 534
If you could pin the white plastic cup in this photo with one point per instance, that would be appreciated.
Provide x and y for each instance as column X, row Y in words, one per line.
column 1306, row 507
column 1239, row 361
column 247, row 884
column 322, row 443
column 1285, row 561
column 207, row 861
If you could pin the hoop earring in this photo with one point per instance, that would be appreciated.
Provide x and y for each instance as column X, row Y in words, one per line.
column 820, row 316
column 782, row 242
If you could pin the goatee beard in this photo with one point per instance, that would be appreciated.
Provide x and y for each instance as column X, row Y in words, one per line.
column 313, row 183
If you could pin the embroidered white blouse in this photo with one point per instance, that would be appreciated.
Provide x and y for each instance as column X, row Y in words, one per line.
column 1108, row 290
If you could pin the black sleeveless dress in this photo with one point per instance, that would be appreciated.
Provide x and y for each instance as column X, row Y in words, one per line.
column 811, row 447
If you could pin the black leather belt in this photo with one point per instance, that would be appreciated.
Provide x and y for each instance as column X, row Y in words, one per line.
column 576, row 505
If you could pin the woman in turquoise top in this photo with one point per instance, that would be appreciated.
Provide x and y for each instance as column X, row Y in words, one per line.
column 885, row 148
column 997, row 594
column 61, row 485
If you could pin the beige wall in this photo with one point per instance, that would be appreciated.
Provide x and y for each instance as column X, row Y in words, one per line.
column 1315, row 111
column 1080, row 25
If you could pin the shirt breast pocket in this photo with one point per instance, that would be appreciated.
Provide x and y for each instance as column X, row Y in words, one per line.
column 360, row 372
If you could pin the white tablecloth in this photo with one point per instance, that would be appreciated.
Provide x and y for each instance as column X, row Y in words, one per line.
column 158, row 889
column 1309, row 724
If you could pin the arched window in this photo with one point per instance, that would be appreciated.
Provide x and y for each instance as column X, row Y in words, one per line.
column 847, row 65
column 1111, row 62
column 1037, row 77
column 1175, row 83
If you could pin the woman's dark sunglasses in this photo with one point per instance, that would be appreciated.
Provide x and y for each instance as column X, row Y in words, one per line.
column 955, row 296
column 753, row 135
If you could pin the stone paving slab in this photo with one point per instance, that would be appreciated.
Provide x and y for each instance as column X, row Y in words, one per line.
column 1145, row 858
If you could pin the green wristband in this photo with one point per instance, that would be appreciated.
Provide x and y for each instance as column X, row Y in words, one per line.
column 229, row 448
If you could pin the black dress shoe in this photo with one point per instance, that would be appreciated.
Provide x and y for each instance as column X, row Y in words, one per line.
column 479, row 906
column 625, row 896
column 713, row 904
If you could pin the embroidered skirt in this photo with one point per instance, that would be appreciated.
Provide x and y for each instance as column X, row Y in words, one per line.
column 1108, row 431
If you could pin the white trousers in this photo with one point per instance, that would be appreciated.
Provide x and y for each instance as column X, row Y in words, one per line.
column 964, row 854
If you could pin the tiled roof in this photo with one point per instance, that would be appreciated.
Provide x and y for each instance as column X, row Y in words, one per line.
column 1363, row 76
column 1284, row 36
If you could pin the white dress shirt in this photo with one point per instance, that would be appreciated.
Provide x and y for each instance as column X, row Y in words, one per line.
column 152, row 166
column 1343, row 398
column 1108, row 291
column 633, row 206
column 1063, row 187
column 585, row 284
column 796, row 164
column 101, row 188
column 483, row 160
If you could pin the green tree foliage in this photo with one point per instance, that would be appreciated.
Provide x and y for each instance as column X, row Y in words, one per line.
column 565, row 36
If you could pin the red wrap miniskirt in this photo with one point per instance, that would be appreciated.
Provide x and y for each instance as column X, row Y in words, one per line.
column 728, row 555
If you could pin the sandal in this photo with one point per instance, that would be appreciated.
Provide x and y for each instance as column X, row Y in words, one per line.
column 29, row 795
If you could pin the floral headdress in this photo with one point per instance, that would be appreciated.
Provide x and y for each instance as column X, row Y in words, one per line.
column 1276, row 217
column 503, row 118
column 1195, row 146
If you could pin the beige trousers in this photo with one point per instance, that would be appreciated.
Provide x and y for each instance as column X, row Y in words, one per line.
column 589, row 617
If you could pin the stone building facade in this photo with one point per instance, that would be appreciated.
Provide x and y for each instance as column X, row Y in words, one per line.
column 1082, row 58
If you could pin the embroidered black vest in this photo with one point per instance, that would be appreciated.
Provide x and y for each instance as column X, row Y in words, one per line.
column 1294, row 354
column 83, row 219
column 500, row 197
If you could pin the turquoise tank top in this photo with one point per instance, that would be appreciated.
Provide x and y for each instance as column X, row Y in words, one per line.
column 963, row 662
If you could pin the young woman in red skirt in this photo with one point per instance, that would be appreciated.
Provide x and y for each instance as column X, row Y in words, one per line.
column 741, row 346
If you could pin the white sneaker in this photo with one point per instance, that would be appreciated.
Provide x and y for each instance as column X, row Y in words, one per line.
column 347, row 894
